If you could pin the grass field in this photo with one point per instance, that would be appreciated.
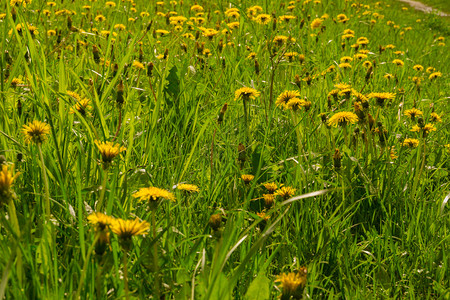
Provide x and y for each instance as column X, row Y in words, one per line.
column 223, row 150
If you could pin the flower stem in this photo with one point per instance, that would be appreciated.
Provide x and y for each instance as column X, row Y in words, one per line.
column 125, row 274
column 16, row 227
column 155, row 256
column 83, row 272
column 247, row 133
column 46, row 186
column 102, row 192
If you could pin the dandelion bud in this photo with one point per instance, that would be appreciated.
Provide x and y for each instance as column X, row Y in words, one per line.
column 298, row 81
column 215, row 221
column 241, row 154
column 371, row 121
column 13, row 14
column 141, row 55
column 420, row 122
column 96, row 54
column 222, row 113
column 337, row 159
column 184, row 47
column 166, row 53
column 69, row 22
column 369, row 73
column 120, row 98
column 256, row 67
column 149, row 26
column 115, row 69
column 150, row 67
column 302, row 23
column 268, row 200
column 19, row 107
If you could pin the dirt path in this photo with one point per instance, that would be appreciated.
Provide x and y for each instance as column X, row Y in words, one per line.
column 425, row 8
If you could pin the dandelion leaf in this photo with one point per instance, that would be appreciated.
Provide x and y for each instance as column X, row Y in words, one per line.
column 259, row 288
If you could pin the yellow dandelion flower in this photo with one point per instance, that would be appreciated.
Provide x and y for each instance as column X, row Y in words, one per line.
column 100, row 18
column 435, row 117
column 269, row 199
column 108, row 151
column 381, row 97
column 295, row 104
column 398, row 62
column 100, row 221
column 316, row 23
column 263, row 19
column 110, row 4
column 36, row 132
column 246, row 93
column 138, row 65
column 345, row 66
column 271, row 187
column 16, row 82
column 191, row 188
column 153, row 194
column 82, row 106
column 426, row 129
column 126, row 229
column 285, row 192
column 343, row 118
column 411, row 143
column 435, row 75
column 285, row 96
column 292, row 284
column 196, row 7
column 7, row 178
column 210, row 33
column 413, row 112
column 247, row 178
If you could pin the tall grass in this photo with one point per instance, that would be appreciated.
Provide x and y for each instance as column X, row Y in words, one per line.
column 369, row 223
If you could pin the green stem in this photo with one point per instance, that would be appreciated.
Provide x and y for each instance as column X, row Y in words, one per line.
column 46, row 186
column 155, row 256
column 125, row 274
column 247, row 133
column 83, row 272
column 102, row 192
column 300, row 150
column 16, row 227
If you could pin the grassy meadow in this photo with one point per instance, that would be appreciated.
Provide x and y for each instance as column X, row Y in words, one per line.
column 223, row 150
